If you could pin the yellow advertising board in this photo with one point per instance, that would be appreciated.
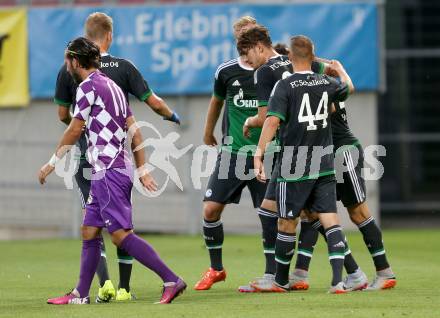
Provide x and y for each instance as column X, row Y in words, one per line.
column 14, row 82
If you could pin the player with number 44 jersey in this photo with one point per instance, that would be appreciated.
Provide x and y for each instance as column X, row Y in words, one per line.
column 300, row 106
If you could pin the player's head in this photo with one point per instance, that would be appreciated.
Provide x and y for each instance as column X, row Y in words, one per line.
column 243, row 24
column 301, row 49
column 281, row 48
column 99, row 29
column 81, row 55
column 255, row 44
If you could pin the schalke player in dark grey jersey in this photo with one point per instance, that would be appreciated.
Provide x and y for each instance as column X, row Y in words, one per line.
column 233, row 89
column 272, row 67
column 352, row 193
column 300, row 107
column 99, row 29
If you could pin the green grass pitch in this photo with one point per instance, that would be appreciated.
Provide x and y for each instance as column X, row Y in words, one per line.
column 32, row 271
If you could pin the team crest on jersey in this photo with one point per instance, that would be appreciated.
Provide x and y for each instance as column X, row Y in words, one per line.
column 240, row 102
column 90, row 199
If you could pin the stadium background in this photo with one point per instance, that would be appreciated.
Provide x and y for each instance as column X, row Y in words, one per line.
column 398, row 110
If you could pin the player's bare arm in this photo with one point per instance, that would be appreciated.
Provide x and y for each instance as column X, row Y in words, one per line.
column 255, row 121
column 160, row 107
column 70, row 137
column 214, row 110
column 270, row 127
column 337, row 67
column 139, row 156
column 64, row 114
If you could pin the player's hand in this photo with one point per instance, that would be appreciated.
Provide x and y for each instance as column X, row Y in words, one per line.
column 246, row 129
column 175, row 118
column 148, row 182
column 210, row 140
column 335, row 66
column 259, row 169
column 45, row 170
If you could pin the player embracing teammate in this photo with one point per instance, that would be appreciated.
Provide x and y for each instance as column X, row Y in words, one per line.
column 256, row 45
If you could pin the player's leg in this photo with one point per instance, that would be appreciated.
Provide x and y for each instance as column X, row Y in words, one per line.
column 117, row 213
column 372, row 235
column 307, row 239
column 125, row 264
column 106, row 290
column 266, row 210
column 290, row 198
column 268, row 218
column 355, row 279
column 352, row 193
column 214, row 236
column 91, row 252
column 323, row 202
column 147, row 256
column 223, row 188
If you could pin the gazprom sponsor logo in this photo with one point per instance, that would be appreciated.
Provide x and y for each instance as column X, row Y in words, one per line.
column 240, row 102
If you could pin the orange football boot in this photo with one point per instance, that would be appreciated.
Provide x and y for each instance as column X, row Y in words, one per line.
column 210, row 277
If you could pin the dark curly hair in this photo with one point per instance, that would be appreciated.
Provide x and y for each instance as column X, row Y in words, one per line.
column 250, row 38
column 85, row 52
column 281, row 48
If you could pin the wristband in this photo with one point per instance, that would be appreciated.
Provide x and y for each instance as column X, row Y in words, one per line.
column 141, row 171
column 53, row 160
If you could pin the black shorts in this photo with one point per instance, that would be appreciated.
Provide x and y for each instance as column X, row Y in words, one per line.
column 272, row 182
column 351, row 189
column 225, row 185
column 315, row 195
column 82, row 177
column 271, row 188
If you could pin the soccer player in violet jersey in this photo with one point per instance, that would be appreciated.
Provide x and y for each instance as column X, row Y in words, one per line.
column 271, row 67
column 107, row 121
column 300, row 106
column 233, row 89
column 99, row 29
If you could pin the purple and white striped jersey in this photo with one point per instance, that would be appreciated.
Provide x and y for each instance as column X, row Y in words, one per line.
column 102, row 104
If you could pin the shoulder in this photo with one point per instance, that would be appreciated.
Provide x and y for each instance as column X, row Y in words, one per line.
column 225, row 66
column 63, row 74
column 63, row 69
column 280, row 87
column 328, row 80
column 121, row 62
column 264, row 71
column 88, row 85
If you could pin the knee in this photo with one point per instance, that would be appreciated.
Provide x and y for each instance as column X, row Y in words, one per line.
column 212, row 211
column 358, row 213
column 116, row 240
column 88, row 233
column 287, row 226
column 269, row 205
column 118, row 236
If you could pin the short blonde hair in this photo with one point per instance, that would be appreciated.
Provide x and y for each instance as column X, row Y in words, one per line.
column 243, row 21
column 98, row 25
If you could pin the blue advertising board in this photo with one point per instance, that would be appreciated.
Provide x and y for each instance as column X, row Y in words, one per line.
column 178, row 48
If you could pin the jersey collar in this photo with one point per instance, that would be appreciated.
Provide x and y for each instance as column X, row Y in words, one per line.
column 304, row 72
column 104, row 54
column 274, row 56
column 241, row 64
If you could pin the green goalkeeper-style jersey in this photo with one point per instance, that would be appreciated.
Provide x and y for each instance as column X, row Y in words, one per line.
column 234, row 83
